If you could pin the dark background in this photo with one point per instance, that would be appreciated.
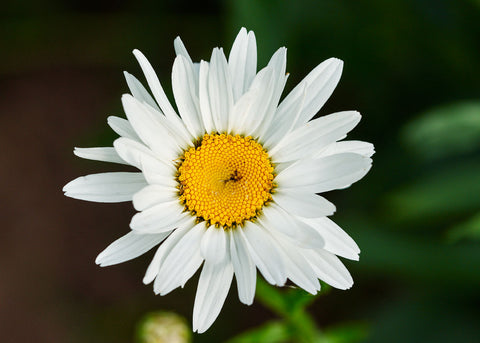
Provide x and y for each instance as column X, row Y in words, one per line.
column 412, row 68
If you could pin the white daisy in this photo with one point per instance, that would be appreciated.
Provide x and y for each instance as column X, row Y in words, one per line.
column 232, row 181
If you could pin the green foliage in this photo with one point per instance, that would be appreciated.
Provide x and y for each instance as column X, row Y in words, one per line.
column 451, row 190
column 448, row 134
column 290, row 304
column 347, row 333
column 296, row 324
column 445, row 131
column 284, row 302
column 469, row 229
column 270, row 332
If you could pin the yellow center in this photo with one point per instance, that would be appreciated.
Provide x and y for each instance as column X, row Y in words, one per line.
column 225, row 180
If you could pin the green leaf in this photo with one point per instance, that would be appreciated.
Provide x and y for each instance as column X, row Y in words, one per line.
column 399, row 255
column 445, row 131
column 286, row 300
column 290, row 303
column 270, row 332
column 467, row 229
column 297, row 299
column 303, row 328
column 346, row 333
column 271, row 298
column 454, row 190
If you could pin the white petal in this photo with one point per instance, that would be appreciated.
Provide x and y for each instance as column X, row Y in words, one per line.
column 298, row 269
column 278, row 63
column 252, row 107
column 130, row 151
column 163, row 251
column 324, row 174
column 277, row 220
column 264, row 253
column 175, row 130
column 328, row 268
column 138, row 155
column 185, row 90
column 182, row 261
column 242, row 62
column 128, row 247
column 161, row 97
column 240, row 112
column 320, row 83
column 154, row 266
column 152, row 195
column 336, row 240
column 303, row 204
column 139, row 91
column 149, row 128
column 212, row 290
column 283, row 124
column 159, row 218
column 157, row 172
column 245, row 271
column 155, row 85
column 214, row 245
column 220, row 90
column 122, row 127
column 107, row 154
column 204, row 97
column 279, row 167
column 188, row 269
column 105, row 187
column 356, row 147
column 261, row 99
column 314, row 135
column 180, row 49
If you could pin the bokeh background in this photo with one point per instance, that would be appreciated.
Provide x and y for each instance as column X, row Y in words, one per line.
column 412, row 68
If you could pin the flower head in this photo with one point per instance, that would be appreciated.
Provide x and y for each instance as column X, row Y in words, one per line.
column 231, row 181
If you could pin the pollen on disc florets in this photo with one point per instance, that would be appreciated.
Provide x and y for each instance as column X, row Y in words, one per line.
column 225, row 179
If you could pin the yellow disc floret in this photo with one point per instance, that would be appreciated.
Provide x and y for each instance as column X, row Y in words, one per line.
column 226, row 179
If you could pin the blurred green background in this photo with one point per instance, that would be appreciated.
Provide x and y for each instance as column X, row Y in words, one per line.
column 412, row 68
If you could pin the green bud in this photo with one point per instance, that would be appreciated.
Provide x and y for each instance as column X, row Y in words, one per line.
column 163, row 327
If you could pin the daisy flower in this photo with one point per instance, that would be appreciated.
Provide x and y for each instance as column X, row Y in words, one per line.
column 229, row 180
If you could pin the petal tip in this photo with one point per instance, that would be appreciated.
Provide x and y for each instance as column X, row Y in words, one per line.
column 68, row 187
column 100, row 260
column 336, row 60
column 127, row 97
